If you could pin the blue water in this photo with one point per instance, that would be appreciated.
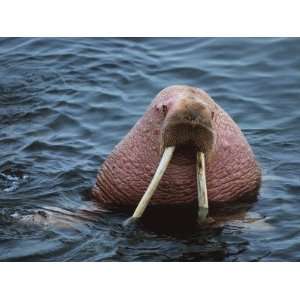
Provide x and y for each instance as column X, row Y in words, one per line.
column 65, row 103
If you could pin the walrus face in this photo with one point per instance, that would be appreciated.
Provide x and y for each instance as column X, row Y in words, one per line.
column 188, row 122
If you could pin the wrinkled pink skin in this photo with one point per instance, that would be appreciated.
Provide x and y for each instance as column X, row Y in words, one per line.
column 232, row 171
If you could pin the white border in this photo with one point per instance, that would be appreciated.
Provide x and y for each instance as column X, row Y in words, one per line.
column 149, row 18
column 149, row 281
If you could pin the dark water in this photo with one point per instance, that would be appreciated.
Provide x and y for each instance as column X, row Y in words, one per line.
column 64, row 104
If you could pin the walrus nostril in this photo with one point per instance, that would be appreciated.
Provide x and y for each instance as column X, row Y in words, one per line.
column 193, row 115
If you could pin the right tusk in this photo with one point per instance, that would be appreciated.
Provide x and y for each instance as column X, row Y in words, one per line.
column 201, row 188
column 167, row 155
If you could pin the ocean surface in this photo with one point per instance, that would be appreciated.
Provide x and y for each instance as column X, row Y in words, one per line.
column 65, row 103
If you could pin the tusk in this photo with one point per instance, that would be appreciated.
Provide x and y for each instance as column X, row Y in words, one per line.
column 167, row 155
column 201, row 188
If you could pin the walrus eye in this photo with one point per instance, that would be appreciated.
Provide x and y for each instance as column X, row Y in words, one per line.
column 212, row 115
column 164, row 109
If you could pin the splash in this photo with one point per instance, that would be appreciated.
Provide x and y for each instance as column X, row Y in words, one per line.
column 11, row 182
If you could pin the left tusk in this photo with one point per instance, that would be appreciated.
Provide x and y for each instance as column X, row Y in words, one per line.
column 167, row 155
column 201, row 188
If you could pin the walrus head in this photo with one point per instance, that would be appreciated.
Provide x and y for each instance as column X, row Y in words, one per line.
column 187, row 124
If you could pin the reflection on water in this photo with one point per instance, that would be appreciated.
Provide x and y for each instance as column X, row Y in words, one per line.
column 64, row 104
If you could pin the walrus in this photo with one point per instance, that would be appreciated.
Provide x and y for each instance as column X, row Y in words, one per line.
column 183, row 126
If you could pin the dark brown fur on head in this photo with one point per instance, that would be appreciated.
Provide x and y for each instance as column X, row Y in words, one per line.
column 188, row 122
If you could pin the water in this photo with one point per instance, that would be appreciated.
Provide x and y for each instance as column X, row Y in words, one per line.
column 64, row 104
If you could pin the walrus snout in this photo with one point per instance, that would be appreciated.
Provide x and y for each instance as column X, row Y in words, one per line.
column 188, row 122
